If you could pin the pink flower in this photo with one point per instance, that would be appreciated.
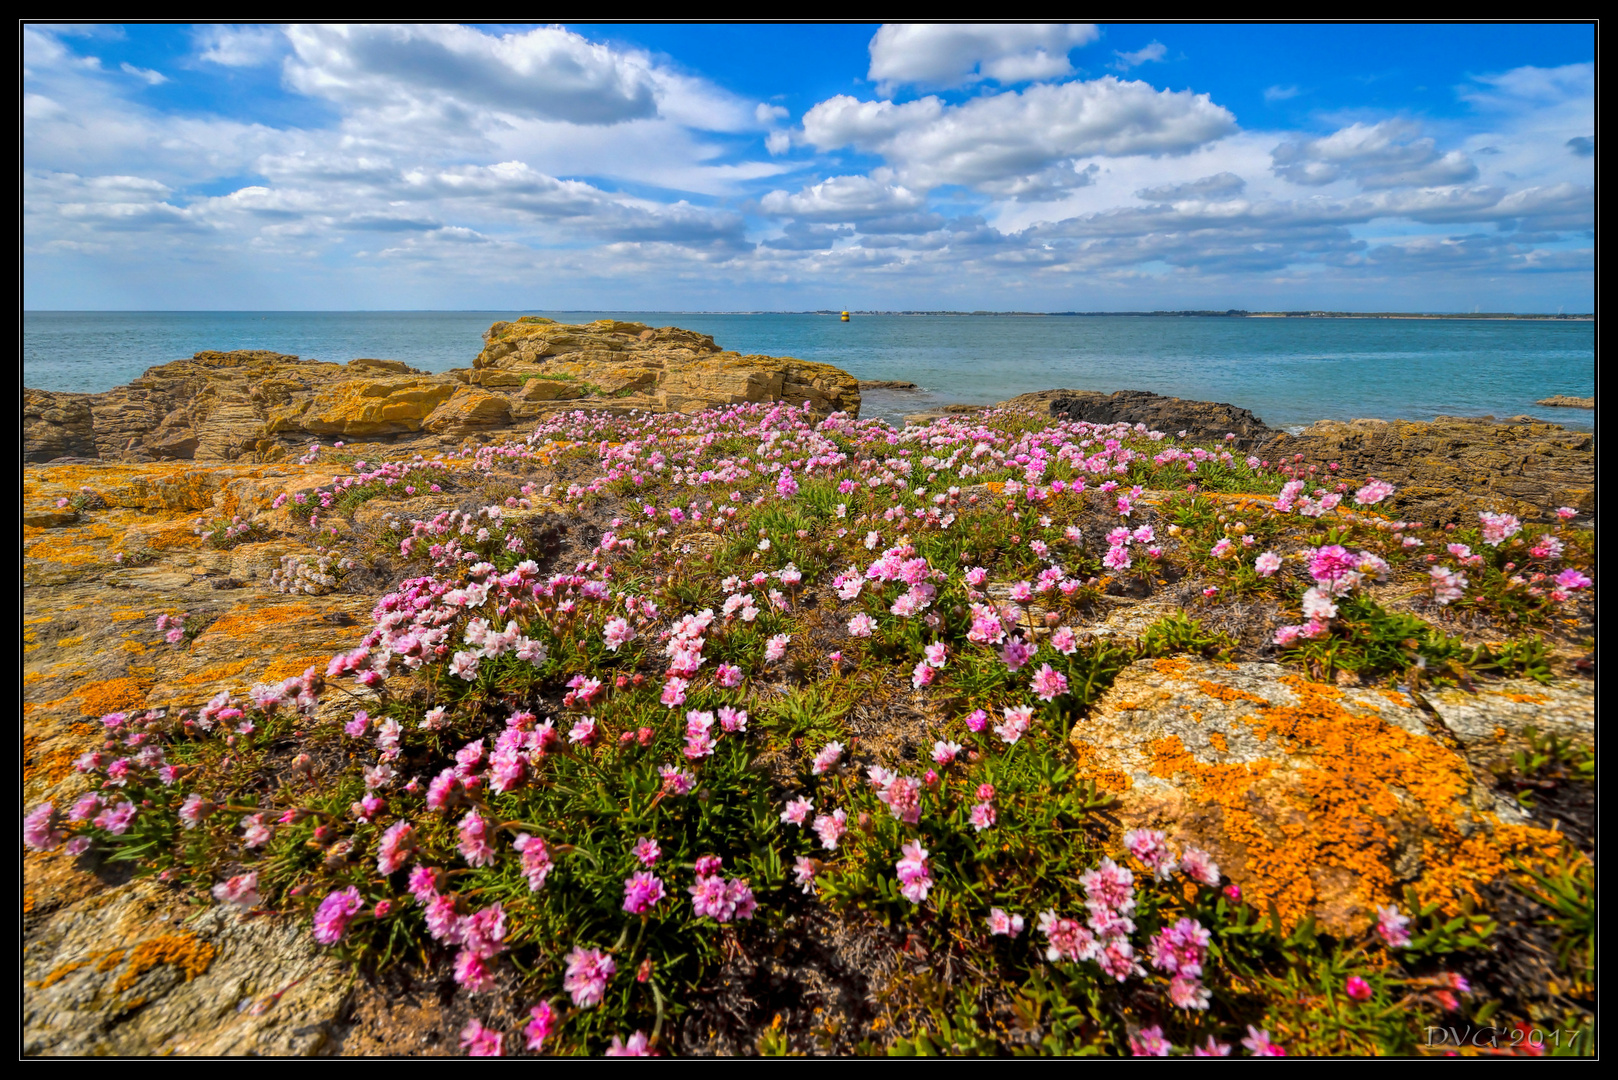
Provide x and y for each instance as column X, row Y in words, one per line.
column 1373, row 493
column 776, row 647
column 1063, row 641
column 1267, row 563
column 1049, row 683
column 674, row 691
column 1198, row 865
column 536, row 860
column 914, row 877
column 1109, row 885
column 977, row 720
column 241, row 890
column 830, row 828
column 638, row 1044
column 944, row 752
column 1391, row 926
column 1149, row 1042
column 616, row 633
column 728, row 675
column 1566, row 513
column 1015, row 653
column 1016, row 723
column 586, row 975
column 827, row 758
column 983, row 816
column 797, row 811
column 1001, row 923
column 1498, row 528
column 1150, row 847
column 1066, row 939
column 903, row 798
column 1187, row 992
column 935, row 654
column 642, row 891
column 542, row 1025
column 1357, row 988
column 395, row 847
column 474, row 840
column 254, row 832
column 861, row 625
column 1259, row 1045
column 334, row 914
column 803, row 874
column 39, row 828
column 479, row 1041
column 1573, row 580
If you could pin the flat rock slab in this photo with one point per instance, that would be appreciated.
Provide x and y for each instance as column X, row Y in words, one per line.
column 120, row 973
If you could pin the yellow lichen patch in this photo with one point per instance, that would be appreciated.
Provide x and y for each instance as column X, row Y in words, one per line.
column 61, row 973
column 1227, row 694
column 69, row 642
column 132, row 647
column 111, row 959
column 125, row 614
column 1398, row 699
column 114, row 695
column 187, row 952
column 248, row 621
column 1217, row 741
column 1527, row 699
column 1456, row 872
column 216, row 671
column 51, row 766
column 291, row 666
column 1171, row 668
column 1107, row 779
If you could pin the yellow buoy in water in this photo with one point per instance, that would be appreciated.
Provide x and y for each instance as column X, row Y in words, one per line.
column 845, row 316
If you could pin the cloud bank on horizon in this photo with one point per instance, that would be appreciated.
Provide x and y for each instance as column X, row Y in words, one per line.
column 1031, row 167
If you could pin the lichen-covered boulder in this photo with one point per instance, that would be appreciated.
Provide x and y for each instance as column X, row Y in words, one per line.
column 1323, row 800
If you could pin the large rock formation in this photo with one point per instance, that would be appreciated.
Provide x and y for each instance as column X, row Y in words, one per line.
column 259, row 406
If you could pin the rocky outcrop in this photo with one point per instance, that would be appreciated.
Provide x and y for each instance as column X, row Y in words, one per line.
column 255, row 405
column 887, row 384
column 1563, row 401
column 1198, row 421
column 1448, row 468
column 1324, row 800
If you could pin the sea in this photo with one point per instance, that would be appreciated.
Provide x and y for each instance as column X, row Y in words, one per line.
column 1289, row 371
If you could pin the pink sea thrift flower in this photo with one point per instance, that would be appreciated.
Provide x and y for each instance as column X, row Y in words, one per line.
column 474, row 840
column 1373, row 493
column 983, row 816
column 1211, row 1048
column 1000, row 923
column 536, row 860
column 776, row 647
column 1391, row 926
column 1149, row 1042
column 335, row 913
column 241, row 890
column 1048, row 683
column 1267, row 563
column 1357, row 988
column 395, row 847
column 827, row 758
column 1199, row 866
column 914, row 877
column 1498, row 528
column 541, row 1026
column 39, row 828
column 1259, row 1045
column 830, row 828
column 1150, row 847
column 1016, row 724
column 646, row 851
column 797, row 811
column 586, row 976
column 944, row 752
column 639, row 1045
column 479, row 1041
column 642, row 891
column 1448, row 585
column 728, row 675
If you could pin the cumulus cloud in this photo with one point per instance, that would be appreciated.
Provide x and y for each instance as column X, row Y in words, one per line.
column 803, row 236
column 766, row 113
column 1000, row 140
column 1383, row 155
column 947, row 55
column 842, row 198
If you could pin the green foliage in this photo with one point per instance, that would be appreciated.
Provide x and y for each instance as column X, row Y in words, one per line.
column 1179, row 633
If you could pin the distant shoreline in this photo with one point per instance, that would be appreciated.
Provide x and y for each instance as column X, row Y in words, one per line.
column 1234, row 313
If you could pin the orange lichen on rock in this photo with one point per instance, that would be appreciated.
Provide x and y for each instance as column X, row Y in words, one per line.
column 215, row 671
column 1106, row 779
column 1216, row 739
column 251, row 620
column 1227, row 694
column 294, row 666
column 114, row 695
column 187, row 952
column 1171, row 668
column 1456, row 872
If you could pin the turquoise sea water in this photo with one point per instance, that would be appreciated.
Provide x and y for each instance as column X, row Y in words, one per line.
column 1290, row 372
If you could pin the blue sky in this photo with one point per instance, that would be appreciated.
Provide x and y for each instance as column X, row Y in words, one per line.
column 738, row 167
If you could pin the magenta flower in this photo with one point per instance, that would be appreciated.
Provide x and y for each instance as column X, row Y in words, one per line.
column 1016, row 723
column 977, row 720
column 914, row 878
column 39, row 828
column 1149, row 1042
column 728, row 675
column 1572, row 580
column 1357, row 988
column 638, row 1045
column 536, row 860
column 830, row 828
column 827, row 758
column 646, row 851
column 395, row 847
column 335, row 913
column 642, row 891
column 1049, row 683
column 1015, row 653
column 474, row 840
column 479, row 1041
column 1212, row 1048
column 1259, row 1045
column 542, row 1025
column 586, row 975
column 797, row 811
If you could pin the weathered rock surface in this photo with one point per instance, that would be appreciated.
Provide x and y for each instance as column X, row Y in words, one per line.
column 254, row 405
column 887, row 384
column 1447, row 468
column 1493, row 724
column 1566, row 401
column 1199, row 420
column 126, row 972
column 1323, row 799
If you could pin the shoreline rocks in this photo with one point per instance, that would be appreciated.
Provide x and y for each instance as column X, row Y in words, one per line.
column 261, row 406
column 1563, row 401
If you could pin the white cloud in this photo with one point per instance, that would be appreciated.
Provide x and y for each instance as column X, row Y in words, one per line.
column 1152, row 53
column 1273, row 94
column 766, row 113
column 843, row 198
column 947, row 55
column 1383, row 155
column 1218, row 186
column 146, row 75
column 239, row 46
column 777, row 143
column 1000, row 140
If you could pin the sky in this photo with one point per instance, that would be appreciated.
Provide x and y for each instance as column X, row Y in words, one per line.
column 1034, row 167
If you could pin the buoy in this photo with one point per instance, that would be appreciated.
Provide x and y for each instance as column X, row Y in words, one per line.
column 845, row 316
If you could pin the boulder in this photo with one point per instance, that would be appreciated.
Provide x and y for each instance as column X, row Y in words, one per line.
column 1323, row 800
column 1201, row 421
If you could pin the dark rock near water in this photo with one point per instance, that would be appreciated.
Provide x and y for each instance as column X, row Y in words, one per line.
column 1199, row 421
column 887, row 384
